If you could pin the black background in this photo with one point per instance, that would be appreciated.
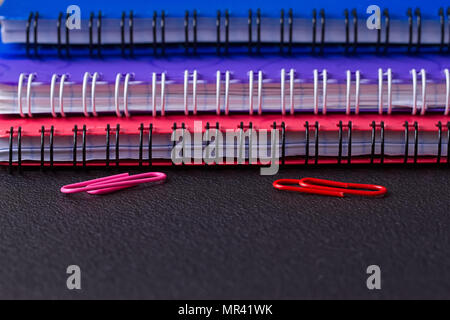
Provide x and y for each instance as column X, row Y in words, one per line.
column 211, row 233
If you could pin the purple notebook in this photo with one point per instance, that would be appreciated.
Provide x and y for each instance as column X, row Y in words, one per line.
column 302, row 83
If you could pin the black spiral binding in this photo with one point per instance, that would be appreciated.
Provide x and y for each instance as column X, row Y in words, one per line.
column 142, row 130
column 250, row 143
column 58, row 30
column 355, row 30
column 150, row 144
column 91, row 34
column 241, row 144
column 194, row 27
column 83, row 142
column 67, row 38
column 74, row 146
column 227, row 30
column 32, row 18
column 117, row 146
column 405, row 157
column 19, row 148
column 306, row 142
column 131, row 31
column 207, row 127
column 322, row 30
column 350, row 18
column 410, row 23
column 419, row 28
column 349, row 142
column 155, row 15
column 174, row 128
column 52, row 138
column 183, row 128
column 99, row 34
column 340, row 142
column 439, row 126
column 11, row 135
column 291, row 28
column 108, row 142
column 141, row 143
column 163, row 32
column 316, row 143
column 387, row 21
column 250, row 28
column 42, row 146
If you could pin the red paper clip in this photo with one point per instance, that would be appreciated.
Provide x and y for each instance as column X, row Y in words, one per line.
column 112, row 183
column 325, row 187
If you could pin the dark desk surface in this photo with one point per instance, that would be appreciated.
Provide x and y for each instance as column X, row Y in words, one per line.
column 226, row 233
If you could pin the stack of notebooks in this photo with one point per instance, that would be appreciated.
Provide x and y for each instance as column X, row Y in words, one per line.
column 202, row 85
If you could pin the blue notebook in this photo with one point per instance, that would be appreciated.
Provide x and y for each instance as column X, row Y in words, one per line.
column 135, row 27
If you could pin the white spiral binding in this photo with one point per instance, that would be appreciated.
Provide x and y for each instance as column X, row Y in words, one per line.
column 186, row 88
column 154, row 94
column 282, row 89
column 316, row 88
column 29, row 82
column 19, row 93
column 347, row 99
column 61, row 94
column 52, row 94
column 117, row 93
column 447, row 94
column 30, row 78
column 424, row 91
column 324, row 91
column 93, row 85
column 414, row 84
column 260, row 84
column 227, row 92
column 389, row 77
column 163, row 93
column 250, row 92
column 291, row 89
column 62, row 78
column 357, row 85
column 96, row 76
column 83, row 94
column 380, row 91
column 128, row 76
column 218, row 92
column 194, row 91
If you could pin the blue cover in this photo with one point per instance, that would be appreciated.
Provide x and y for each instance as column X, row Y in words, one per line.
column 20, row 9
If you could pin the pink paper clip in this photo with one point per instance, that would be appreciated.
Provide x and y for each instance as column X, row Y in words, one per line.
column 113, row 183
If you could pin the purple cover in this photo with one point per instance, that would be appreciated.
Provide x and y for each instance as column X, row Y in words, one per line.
column 238, row 65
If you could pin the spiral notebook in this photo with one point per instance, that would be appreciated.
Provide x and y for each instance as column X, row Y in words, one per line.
column 400, row 115
column 408, row 25
column 223, row 85
column 209, row 109
column 224, row 140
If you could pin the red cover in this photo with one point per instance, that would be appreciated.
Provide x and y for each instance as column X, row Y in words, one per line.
column 165, row 124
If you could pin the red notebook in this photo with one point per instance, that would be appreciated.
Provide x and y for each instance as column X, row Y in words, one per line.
column 228, row 140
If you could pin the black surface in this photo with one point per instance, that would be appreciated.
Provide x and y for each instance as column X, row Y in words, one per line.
column 226, row 234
